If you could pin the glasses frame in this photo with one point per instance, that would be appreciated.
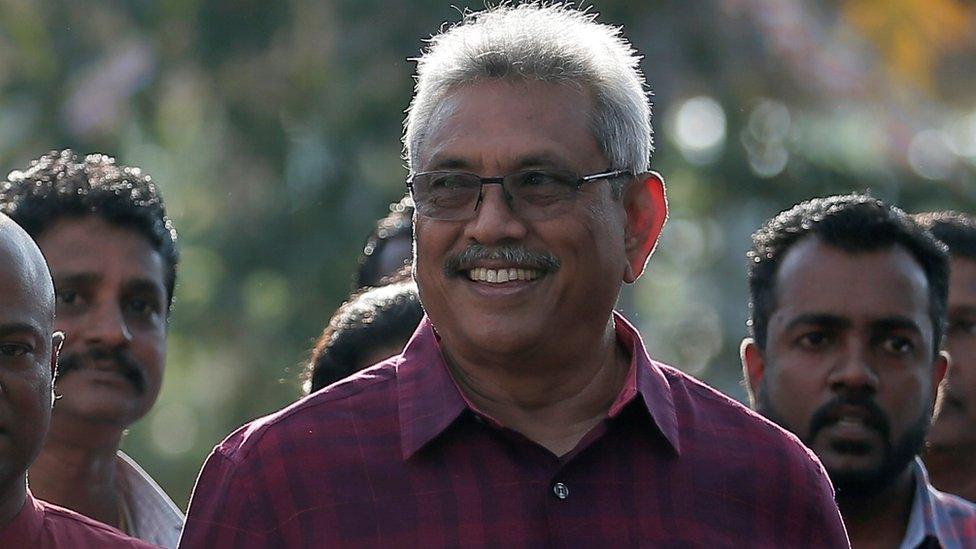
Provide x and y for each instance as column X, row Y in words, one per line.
column 580, row 181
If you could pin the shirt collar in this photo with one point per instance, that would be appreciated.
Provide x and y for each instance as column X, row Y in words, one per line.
column 25, row 528
column 922, row 520
column 429, row 400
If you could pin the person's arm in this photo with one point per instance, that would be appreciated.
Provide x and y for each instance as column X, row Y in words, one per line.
column 222, row 510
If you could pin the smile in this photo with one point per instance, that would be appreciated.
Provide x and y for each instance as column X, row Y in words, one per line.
column 501, row 276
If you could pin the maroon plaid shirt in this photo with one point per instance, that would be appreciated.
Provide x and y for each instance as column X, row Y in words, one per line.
column 395, row 456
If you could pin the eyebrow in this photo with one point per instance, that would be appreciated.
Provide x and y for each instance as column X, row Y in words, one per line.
column 895, row 323
column 144, row 285
column 533, row 160
column 11, row 328
column 819, row 319
column 77, row 279
column 959, row 310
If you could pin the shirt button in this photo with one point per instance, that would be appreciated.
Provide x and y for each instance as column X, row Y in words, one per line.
column 561, row 491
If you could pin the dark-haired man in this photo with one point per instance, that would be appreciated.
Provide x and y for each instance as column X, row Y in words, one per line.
column 28, row 355
column 848, row 304
column 951, row 451
column 111, row 249
column 524, row 412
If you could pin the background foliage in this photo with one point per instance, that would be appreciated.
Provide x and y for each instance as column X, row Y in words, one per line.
column 273, row 130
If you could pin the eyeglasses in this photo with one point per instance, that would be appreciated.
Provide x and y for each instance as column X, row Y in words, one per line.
column 532, row 194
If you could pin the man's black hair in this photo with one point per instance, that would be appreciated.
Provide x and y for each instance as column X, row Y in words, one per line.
column 373, row 318
column 853, row 223
column 397, row 224
column 59, row 185
column 955, row 230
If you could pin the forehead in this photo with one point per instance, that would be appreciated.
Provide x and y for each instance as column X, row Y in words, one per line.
column 962, row 282
column 817, row 278
column 24, row 297
column 501, row 124
column 90, row 245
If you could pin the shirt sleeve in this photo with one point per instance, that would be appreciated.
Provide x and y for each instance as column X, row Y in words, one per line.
column 823, row 523
column 222, row 511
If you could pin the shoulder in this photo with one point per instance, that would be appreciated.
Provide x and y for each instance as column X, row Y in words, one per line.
column 76, row 530
column 369, row 395
column 710, row 419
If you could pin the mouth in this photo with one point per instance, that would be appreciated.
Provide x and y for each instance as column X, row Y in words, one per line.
column 502, row 275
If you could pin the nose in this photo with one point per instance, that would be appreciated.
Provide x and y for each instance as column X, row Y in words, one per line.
column 494, row 221
column 106, row 327
column 853, row 371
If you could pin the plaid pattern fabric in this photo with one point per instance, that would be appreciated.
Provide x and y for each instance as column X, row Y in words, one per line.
column 150, row 514
column 395, row 456
column 938, row 519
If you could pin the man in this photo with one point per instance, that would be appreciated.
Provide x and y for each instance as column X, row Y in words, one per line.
column 28, row 358
column 524, row 411
column 848, row 304
column 952, row 439
column 112, row 252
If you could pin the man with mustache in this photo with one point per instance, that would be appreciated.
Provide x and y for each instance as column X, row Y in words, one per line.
column 950, row 454
column 524, row 412
column 28, row 357
column 112, row 252
column 848, row 302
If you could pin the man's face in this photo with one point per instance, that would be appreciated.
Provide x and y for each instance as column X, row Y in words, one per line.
column 111, row 306
column 492, row 129
column 26, row 363
column 849, row 364
column 955, row 426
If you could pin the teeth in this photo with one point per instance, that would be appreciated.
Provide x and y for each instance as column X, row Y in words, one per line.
column 500, row 276
column 850, row 421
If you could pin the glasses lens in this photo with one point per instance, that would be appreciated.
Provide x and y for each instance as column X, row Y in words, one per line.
column 542, row 194
column 446, row 195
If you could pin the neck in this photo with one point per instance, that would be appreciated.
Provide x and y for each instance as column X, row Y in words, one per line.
column 953, row 470
column 12, row 498
column 78, row 472
column 553, row 399
column 880, row 520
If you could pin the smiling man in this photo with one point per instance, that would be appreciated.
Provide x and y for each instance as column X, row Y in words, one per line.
column 848, row 306
column 111, row 250
column 951, row 445
column 28, row 355
column 523, row 412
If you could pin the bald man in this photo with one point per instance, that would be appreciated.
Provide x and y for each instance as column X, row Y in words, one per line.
column 28, row 357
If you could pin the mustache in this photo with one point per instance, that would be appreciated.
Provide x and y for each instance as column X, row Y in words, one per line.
column 829, row 413
column 130, row 369
column 517, row 255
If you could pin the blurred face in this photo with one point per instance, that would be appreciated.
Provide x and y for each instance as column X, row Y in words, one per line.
column 500, row 283
column 26, row 363
column 955, row 426
column 849, row 361
column 111, row 305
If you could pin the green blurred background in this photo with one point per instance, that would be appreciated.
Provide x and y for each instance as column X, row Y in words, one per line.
column 273, row 131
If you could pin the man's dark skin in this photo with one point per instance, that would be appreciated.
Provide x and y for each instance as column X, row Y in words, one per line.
column 28, row 357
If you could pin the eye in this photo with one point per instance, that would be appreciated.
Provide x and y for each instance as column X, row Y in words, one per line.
column 14, row 350
column 68, row 297
column 531, row 179
column 897, row 345
column 813, row 340
column 964, row 326
column 451, row 181
column 142, row 306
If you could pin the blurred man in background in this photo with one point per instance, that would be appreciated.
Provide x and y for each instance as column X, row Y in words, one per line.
column 524, row 412
column 848, row 305
column 951, row 452
column 112, row 252
column 28, row 358
column 373, row 325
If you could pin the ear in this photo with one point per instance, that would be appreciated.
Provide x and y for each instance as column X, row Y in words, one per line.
column 939, row 369
column 646, row 207
column 753, row 367
column 57, row 340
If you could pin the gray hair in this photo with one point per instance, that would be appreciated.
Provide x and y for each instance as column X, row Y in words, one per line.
column 546, row 42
